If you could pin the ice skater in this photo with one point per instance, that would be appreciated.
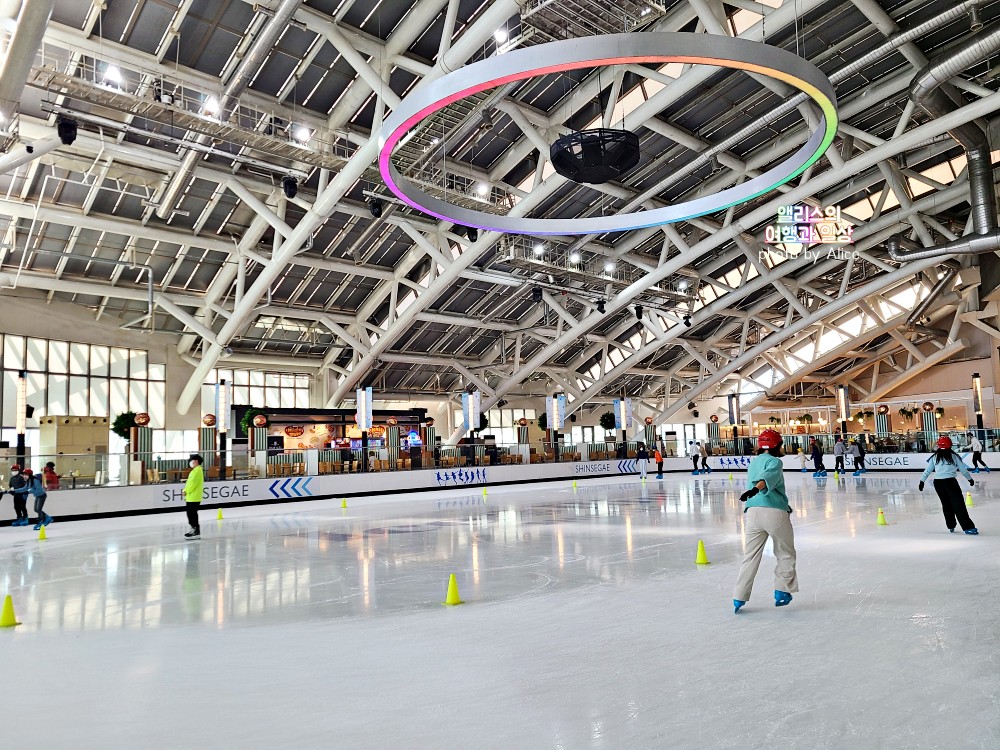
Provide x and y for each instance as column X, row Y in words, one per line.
column 36, row 487
column 816, row 452
column 767, row 515
column 977, row 454
column 658, row 457
column 643, row 456
column 694, row 454
column 945, row 465
column 18, row 488
column 193, row 488
column 802, row 461
column 703, row 451
column 855, row 453
column 838, row 455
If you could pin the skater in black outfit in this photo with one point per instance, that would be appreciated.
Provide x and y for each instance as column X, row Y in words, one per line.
column 945, row 464
column 19, row 489
column 37, row 489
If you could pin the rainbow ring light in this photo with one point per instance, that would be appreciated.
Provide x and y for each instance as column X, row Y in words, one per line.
column 611, row 49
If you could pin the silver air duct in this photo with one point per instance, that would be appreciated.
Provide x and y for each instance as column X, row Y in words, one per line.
column 924, row 305
column 928, row 92
column 247, row 69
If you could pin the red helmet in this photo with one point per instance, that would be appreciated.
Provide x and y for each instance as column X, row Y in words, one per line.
column 15, row 467
column 769, row 439
column 28, row 472
column 944, row 442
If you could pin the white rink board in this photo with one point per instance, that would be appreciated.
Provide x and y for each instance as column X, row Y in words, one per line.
column 160, row 497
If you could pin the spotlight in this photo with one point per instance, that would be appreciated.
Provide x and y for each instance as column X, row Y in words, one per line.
column 600, row 306
column 112, row 75
column 472, row 233
column 375, row 207
column 609, row 267
column 211, row 106
column 574, row 257
column 502, row 403
column 638, row 311
column 483, row 189
column 500, row 35
column 301, row 135
column 536, row 294
column 682, row 286
column 67, row 131
column 687, row 320
column 290, row 187
column 539, row 249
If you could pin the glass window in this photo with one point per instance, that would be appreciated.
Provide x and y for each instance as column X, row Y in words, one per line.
column 302, row 381
column 301, row 399
column 58, row 356
column 241, row 394
column 137, row 364
column 221, row 375
column 79, row 360
column 257, row 396
column 137, row 400
column 157, row 371
column 36, row 355
column 256, row 377
column 119, row 363
column 99, row 361
column 36, row 392
column 272, row 397
column 99, row 397
column 287, row 398
column 13, row 352
column 241, row 377
column 57, row 395
column 119, row 397
column 157, row 403
column 9, row 396
column 79, row 395
column 270, row 379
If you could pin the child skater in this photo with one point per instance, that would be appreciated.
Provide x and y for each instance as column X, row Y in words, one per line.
column 658, row 457
column 945, row 464
column 816, row 451
column 802, row 461
column 767, row 515
column 36, row 487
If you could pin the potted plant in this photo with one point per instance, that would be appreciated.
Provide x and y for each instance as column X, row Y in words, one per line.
column 607, row 421
column 906, row 412
column 774, row 420
column 807, row 418
column 483, row 423
column 543, row 421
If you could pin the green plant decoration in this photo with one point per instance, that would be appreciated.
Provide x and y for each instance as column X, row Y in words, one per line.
column 123, row 423
column 246, row 424
column 607, row 421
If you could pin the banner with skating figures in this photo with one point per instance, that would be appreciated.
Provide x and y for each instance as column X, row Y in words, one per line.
column 623, row 413
column 471, row 410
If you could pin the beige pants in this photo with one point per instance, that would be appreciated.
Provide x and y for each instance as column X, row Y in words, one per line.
column 762, row 523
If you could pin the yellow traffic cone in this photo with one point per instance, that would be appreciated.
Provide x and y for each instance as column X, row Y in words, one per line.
column 7, row 619
column 343, row 503
column 452, row 597
column 836, row 474
column 968, row 500
column 701, row 558
column 574, row 484
column 881, row 518
column 730, row 476
column 219, row 516
column 41, row 534
column 484, row 492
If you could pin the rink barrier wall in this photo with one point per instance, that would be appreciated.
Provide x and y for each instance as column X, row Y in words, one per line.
column 166, row 498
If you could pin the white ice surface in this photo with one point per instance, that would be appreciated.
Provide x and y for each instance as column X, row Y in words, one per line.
column 587, row 625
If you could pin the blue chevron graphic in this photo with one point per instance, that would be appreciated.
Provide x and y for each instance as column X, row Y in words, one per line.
column 295, row 487
column 271, row 488
column 305, row 487
column 284, row 487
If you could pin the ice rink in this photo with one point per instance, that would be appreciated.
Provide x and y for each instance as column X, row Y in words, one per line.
column 586, row 624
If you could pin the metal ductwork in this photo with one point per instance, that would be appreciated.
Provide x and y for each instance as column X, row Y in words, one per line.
column 247, row 69
column 28, row 28
column 928, row 91
column 923, row 306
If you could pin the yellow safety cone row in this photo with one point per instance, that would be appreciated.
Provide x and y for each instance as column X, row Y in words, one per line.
column 7, row 618
column 452, row 597
column 968, row 500
column 701, row 558
column 881, row 519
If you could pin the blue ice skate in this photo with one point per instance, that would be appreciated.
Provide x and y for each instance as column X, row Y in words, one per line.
column 695, row 473
column 816, row 474
column 48, row 520
column 952, row 530
column 857, row 473
column 972, row 532
column 782, row 598
column 823, row 473
column 975, row 471
column 39, row 525
column 804, row 470
column 986, row 469
column 659, row 476
column 736, row 605
column 21, row 522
